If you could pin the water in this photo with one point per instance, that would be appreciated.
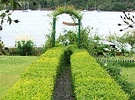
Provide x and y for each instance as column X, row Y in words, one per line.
column 34, row 25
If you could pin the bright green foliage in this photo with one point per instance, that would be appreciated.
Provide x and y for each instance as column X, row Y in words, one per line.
column 91, row 81
column 68, row 10
column 38, row 80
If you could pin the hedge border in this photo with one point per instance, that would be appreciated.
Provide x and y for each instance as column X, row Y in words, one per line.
column 38, row 80
column 91, row 81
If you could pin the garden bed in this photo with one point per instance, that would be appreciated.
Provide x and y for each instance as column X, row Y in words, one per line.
column 50, row 77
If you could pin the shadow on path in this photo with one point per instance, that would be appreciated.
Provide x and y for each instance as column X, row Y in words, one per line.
column 64, row 87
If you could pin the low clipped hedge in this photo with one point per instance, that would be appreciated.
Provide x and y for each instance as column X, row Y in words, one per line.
column 91, row 81
column 38, row 80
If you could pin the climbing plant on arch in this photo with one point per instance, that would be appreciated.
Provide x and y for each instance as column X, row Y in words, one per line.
column 74, row 15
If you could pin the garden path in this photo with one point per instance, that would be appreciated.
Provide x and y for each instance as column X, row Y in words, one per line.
column 63, row 89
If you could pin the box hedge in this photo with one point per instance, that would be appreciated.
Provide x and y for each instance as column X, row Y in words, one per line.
column 91, row 81
column 38, row 80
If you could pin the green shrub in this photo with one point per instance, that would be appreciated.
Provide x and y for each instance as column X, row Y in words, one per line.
column 91, row 81
column 25, row 48
column 38, row 80
column 113, row 71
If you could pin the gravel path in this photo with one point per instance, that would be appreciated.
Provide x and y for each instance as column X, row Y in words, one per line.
column 63, row 89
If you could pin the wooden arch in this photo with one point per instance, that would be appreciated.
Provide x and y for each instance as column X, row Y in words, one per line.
column 73, row 13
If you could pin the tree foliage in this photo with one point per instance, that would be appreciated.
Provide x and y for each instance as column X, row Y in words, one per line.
column 5, row 15
column 116, row 5
column 6, row 6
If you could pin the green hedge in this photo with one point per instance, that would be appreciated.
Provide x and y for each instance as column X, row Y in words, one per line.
column 91, row 81
column 38, row 80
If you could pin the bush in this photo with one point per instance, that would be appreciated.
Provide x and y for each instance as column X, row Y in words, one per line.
column 25, row 48
column 38, row 80
column 91, row 81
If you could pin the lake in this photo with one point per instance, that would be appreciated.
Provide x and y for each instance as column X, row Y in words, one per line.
column 35, row 25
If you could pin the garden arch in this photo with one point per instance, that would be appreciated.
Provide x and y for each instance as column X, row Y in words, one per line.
column 73, row 13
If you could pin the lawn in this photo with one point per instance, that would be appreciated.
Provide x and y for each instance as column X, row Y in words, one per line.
column 11, row 68
column 129, row 73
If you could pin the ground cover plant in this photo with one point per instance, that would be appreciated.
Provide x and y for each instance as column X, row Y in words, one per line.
column 11, row 68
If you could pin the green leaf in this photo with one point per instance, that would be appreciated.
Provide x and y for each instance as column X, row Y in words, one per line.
column 16, row 21
column 7, row 11
column 2, row 21
column 0, row 28
column 9, row 20
column 3, row 15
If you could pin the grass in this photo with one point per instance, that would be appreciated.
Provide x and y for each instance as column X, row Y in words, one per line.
column 129, row 70
column 11, row 68
column 129, row 73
